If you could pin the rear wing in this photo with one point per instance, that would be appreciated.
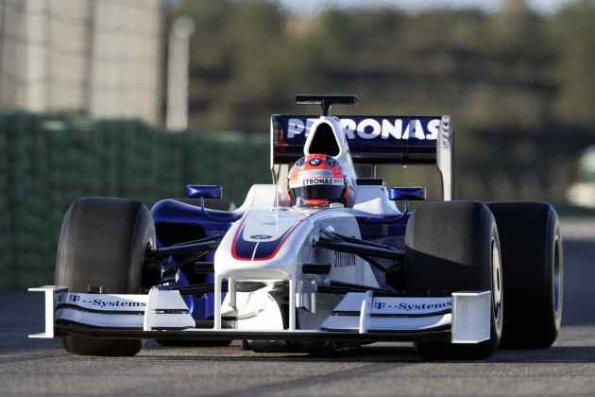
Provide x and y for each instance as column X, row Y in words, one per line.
column 375, row 140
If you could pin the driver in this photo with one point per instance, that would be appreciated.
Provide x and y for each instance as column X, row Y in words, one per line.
column 317, row 180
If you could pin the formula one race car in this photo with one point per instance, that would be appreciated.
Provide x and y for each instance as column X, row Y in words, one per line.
column 323, row 258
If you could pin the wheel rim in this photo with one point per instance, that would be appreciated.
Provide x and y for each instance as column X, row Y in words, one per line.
column 497, row 284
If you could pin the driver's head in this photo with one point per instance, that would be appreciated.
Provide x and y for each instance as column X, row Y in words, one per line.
column 317, row 180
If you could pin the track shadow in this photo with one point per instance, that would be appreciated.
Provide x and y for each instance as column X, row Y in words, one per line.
column 372, row 354
column 318, row 381
column 235, row 354
column 555, row 354
column 372, row 360
column 375, row 360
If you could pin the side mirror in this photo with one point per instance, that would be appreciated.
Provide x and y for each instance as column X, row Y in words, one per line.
column 407, row 194
column 204, row 191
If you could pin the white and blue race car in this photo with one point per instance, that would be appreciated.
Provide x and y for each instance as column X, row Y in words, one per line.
column 455, row 277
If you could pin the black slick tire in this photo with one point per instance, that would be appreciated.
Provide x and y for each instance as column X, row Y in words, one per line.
column 102, row 245
column 533, row 265
column 450, row 247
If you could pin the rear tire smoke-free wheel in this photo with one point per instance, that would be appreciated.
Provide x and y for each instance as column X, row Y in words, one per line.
column 450, row 247
column 533, row 266
column 103, row 244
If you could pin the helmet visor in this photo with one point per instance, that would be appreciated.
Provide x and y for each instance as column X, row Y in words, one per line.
column 330, row 193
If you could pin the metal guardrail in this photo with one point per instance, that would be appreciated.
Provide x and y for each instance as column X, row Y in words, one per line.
column 577, row 228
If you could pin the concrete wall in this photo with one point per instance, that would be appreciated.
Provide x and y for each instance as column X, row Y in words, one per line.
column 102, row 56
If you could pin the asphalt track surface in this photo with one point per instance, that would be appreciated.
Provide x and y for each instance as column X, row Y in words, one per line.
column 42, row 368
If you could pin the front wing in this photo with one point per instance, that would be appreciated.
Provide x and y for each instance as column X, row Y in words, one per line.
column 464, row 317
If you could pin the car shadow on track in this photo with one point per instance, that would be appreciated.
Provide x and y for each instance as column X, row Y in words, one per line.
column 235, row 353
column 555, row 354
column 370, row 354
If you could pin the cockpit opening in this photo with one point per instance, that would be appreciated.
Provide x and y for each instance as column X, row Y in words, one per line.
column 324, row 141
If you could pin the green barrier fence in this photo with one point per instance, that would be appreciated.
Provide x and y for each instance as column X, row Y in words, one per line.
column 47, row 161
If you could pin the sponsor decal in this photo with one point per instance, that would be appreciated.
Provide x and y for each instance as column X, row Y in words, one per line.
column 322, row 181
column 374, row 128
column 411, row 307
column 102, row 303
column 445, row 126
column 312, row 181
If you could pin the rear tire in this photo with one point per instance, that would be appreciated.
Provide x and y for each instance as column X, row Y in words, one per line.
column 454, row 246
column 533, row 268
column 103, row 243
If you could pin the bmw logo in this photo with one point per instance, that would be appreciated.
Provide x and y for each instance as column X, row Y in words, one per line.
column 315, row 162
column 260, row 237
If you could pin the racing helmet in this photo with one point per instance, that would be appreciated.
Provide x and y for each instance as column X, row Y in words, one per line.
column 317, row 180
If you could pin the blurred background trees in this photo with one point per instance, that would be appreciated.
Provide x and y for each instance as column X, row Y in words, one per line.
column 514, row 66
column 519, row 84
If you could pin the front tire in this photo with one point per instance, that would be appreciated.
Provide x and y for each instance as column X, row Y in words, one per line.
column 103, row 243
column 454, row 246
